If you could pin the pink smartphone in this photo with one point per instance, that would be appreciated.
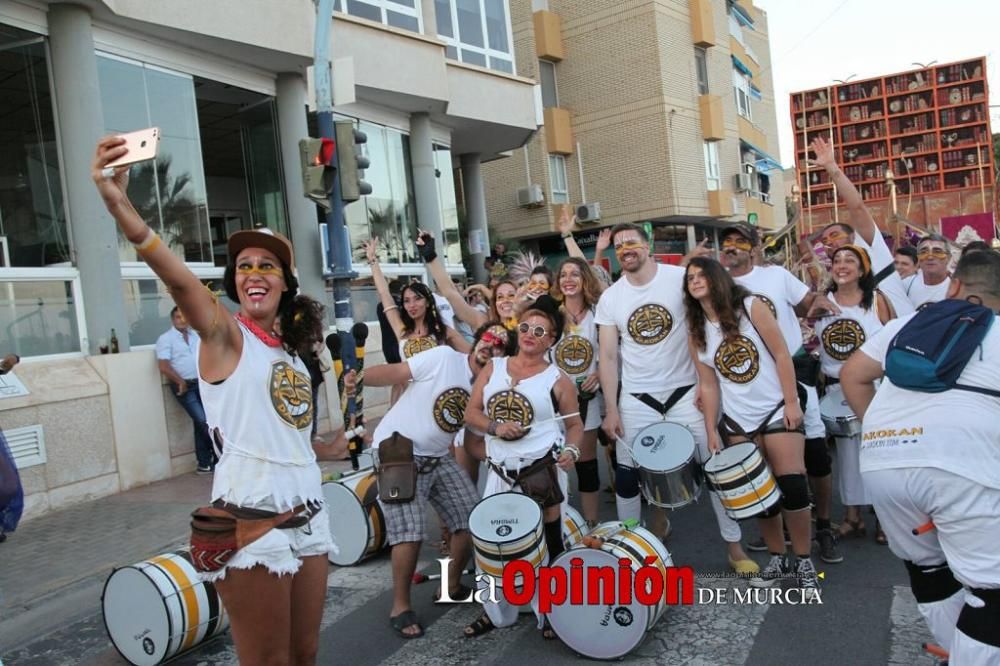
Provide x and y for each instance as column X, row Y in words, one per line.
column 141, row 144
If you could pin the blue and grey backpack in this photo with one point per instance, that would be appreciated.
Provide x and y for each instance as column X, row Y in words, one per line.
column 932, row 349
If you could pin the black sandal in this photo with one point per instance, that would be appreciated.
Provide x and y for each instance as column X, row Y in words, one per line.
column 404, row 620
column 482, row 625
column 461, row 594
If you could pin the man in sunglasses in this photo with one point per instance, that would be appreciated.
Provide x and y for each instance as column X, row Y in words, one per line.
column 430, row 412
column 932, row 280
column 862, row 231
column 788, row 299
column 645, row 310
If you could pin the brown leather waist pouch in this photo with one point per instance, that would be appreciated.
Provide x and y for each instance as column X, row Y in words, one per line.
column 397, row 470
column 219, row 531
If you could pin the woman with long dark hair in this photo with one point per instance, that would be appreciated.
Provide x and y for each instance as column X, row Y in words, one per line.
column 745, row 367
column 258, row 404
column 863, row 312
column 578, row 290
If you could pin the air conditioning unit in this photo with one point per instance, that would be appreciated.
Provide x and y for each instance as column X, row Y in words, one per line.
column 530, row 196
column 588, row 212
column 742, row 182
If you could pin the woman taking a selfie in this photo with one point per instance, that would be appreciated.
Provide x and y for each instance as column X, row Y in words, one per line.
column 259, row 405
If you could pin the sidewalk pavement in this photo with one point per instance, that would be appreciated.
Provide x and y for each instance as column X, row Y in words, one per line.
column 65, row 556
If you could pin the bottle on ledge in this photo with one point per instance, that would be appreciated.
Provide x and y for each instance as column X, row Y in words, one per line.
column 114, row 342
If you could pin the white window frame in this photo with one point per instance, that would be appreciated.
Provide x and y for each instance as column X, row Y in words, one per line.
column 557, row 167
column 56, row 274
column 741, row 91
column 735, row 29
column 485, row 51
column 701, row 53
column 555, row 81
column 713, row 173
column 388, row 5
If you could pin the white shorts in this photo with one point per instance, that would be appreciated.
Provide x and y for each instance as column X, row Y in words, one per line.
column 281, row 551
column 813, row 420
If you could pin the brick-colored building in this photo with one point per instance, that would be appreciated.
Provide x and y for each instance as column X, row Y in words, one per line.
column 654, row 110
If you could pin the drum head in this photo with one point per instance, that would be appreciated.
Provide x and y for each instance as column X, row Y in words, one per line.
column 136, row 617
column 730, row 456
column 504, row 517
column 663, row 446
column 834, row 404
column 597, row 631
column 366, row 460
column 348, row 524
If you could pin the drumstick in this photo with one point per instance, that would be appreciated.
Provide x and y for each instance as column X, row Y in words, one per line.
column 926, row 527
column 557, row 418
column 422, row 578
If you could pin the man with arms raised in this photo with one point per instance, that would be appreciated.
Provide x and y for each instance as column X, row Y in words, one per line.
column 645, row 307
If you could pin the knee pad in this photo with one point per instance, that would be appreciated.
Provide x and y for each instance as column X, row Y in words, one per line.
column 589, row 481
column 794, row 492
column 931, row 583
column 980, row 621
column 627, row 481
column 773, row 511
column 817, row 457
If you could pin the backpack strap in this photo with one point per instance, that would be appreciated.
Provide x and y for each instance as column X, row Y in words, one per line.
column 884, row 273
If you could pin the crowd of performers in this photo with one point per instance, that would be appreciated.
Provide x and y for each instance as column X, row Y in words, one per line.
column 523, row 378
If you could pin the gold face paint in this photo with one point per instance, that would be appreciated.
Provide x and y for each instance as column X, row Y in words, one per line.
column 628, row 245
column 262, row 268
column 928, row 252
column 737, row 244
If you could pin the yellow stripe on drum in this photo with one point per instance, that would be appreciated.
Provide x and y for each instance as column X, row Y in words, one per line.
column 186, row 587
column 749, row 498
column 488, row 567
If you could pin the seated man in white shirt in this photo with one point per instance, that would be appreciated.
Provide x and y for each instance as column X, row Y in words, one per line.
column 932, row 280
column 931, row 463
column 177, row 355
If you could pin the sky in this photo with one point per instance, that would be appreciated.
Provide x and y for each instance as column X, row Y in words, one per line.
column 814, row 42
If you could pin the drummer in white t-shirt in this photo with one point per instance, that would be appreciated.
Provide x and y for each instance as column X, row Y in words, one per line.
column 862, row 231
column 788, row 298
column 931, row 463
column 644, row 309
column 932, row 280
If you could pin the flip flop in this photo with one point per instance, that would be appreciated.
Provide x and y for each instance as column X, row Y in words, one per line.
column 406, row 619
column 482, row 625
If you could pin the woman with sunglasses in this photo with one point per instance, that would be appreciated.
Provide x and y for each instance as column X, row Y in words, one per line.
column 516, row 401
column 744, row 366
column 258, row 403
column 504, row 296
column 576, row 355
column 863, row 311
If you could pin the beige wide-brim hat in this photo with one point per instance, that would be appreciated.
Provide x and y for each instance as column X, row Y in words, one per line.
column 264, row 238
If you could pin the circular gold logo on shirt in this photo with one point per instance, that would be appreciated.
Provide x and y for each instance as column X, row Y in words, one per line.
column 449, row 409
column 842, row 338
column 738, row 360
column 574, row 354
column 510, row 407
column 291, row 395
column 650, row 324
column 769, row 303
column 414, row 346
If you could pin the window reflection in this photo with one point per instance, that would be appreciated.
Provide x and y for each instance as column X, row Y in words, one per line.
column 448, row 204
column 38, row 318
column 32, row 218
column 148, row 305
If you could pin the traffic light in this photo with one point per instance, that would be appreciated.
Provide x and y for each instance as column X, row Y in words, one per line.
column 350, row 161
column 317, row 172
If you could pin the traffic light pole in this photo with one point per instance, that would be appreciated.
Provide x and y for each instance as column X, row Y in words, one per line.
column 338, row 239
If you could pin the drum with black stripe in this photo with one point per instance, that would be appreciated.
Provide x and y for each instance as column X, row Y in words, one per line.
column 356, row 520
column 159, row 608
column 740, row 476
column 507, row 527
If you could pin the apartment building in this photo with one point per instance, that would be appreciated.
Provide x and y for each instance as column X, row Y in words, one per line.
column 431, row 83
column 658, row 111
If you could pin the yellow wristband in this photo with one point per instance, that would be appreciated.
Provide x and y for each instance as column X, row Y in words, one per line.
column 150, row 243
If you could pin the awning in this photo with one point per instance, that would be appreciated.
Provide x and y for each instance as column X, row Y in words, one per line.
column 738, row 64
column 755, row 93
column 741, row 15
column 763, row 161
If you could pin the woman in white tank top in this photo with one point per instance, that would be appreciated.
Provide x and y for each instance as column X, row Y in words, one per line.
column 863, row 312
column 744, row 363
column 515, row 401
column 258, row 401
column 576, row 355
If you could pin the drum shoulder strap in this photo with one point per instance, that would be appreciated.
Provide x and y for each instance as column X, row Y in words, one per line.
column 663, row 407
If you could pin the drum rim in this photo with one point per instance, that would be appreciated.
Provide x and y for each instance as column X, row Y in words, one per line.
column 756, row 449
column 163, row 600
column 541, row 518
column 364, row 516
column 660, row 424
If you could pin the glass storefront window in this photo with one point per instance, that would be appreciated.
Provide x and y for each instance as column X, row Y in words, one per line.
column 32, row 216
column 448, row 204
column 148, row 306
column 169, row 192
column 477, row 32
column 38, row 318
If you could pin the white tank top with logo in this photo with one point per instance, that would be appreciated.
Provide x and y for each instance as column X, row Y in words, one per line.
column 529, row 402
column 843, row 334
column 264, row 414
column 576, row 352
column 410, row 347
column 748, row 375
